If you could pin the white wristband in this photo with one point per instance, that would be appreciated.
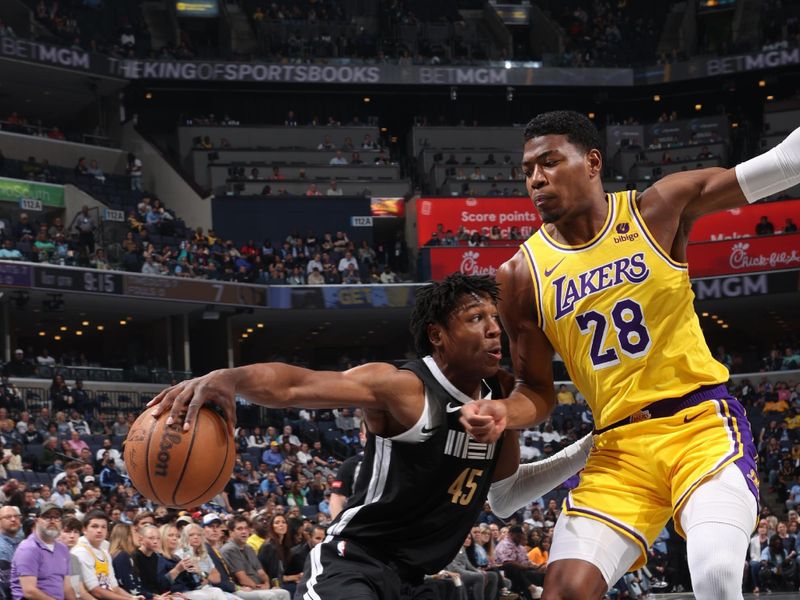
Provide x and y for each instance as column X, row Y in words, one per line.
column 772, row 172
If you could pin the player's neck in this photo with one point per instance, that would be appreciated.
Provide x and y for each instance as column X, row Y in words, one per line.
column 465, row 382
column 578, row 228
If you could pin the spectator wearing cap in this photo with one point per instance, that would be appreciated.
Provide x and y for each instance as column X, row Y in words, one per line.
column 273, row 457
column 41, row 564
column 183, row 521
column 19, row 366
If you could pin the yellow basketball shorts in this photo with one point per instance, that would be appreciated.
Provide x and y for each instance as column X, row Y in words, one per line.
column 642, row 470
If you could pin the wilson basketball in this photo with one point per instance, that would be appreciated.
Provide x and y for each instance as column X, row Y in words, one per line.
column 178, row 468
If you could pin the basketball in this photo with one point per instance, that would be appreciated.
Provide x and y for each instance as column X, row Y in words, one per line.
column 178, row 468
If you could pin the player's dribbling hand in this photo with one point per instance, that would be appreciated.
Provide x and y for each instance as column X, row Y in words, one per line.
column 484, row 420
column 216, row 388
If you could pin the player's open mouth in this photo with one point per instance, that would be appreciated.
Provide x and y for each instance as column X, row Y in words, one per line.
column 540, row 199
column 496, row 354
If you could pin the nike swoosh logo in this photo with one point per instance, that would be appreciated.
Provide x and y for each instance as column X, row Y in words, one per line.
column 451, row 408
column 686, row 419
column 426, row 431
column 548, row 272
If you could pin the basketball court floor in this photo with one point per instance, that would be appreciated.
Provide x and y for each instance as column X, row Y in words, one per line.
column 765, row 596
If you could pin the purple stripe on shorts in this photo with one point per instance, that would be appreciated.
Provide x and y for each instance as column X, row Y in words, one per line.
column 604, row 517
column 747, row 462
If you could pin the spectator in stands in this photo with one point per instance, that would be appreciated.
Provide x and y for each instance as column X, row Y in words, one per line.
column 275, row 552
column 41, row 564
column 291, row 120
column 81, row 170
column 95, row 171
column 135, row 169
column 338, row 159
column 182, row 575
column 24, row 230
column 76, row 443
column 55, row 133
column 790, row 226
column 704, row 154
column 315, row 277
column 334, row 189
column 245, row 566
column 387, row 275
column 764, row 226
column 355, row 159
column 326, row 144
column 511, row 555
column 60, row 395
column 368, row 144
column 85, row 226
column 778, row 567
column 381, row 159
column 312, row 190
column 565, row 395
column 45, row 360
column 10, row 537
column 347, row 261
column 9, row 252
column 477, row 175
column 272, row 457
column 296, row 276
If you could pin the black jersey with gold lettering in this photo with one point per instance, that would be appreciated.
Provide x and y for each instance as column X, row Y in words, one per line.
column 419, row 493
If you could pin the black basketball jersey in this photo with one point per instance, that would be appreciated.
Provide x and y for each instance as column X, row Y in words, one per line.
column 420, row 492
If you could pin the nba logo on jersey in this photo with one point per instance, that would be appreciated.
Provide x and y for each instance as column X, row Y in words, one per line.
column 340, row 548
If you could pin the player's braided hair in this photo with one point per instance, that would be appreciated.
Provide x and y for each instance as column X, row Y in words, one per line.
column 437, row 300
column 579, row 130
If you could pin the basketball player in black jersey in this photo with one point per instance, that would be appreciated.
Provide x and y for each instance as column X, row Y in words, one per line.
column 423, row 480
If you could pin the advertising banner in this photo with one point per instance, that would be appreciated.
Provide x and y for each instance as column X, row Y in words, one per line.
column 738, row 286
column 741, row 222
column 705, row 130
column 15, row 190
column 475, row 214
column 15, row 275
column 472, row 261
column 158, row 287
column 727, row 257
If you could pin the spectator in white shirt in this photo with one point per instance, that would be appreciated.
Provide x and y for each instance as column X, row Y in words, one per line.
column 388, row 276
column 338, row 159
column 348, row 259
column 314, row 263
column 549, row 436
column 334, row 189
column 45, row 360
column 326, row 144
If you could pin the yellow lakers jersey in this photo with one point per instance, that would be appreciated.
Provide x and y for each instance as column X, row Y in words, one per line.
column 618, row 310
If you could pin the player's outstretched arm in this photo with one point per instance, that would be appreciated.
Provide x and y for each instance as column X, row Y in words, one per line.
column 533, row 397
column 530, row 481
column 278, row 385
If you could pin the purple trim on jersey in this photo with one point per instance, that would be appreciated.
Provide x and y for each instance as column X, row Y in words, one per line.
column 604, row 517
column 646, row 233
column 539, row 304
column 612, row 201
column 671, row 406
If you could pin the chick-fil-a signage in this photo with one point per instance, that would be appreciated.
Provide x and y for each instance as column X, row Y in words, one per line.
column 748, row 255
column 708, row 259
column 476, row 214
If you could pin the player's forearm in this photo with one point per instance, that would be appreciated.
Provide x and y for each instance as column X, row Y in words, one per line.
column 527, row 406
column 279, row 385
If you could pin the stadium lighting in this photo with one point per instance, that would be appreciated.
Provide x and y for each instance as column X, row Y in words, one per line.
column 762, row 83
column 63, row 328
column 100, row 327
column 42, row 333
column 591, row 115
column 123, row 322
column 85, row 323
column 705, row 314
column 78, row 332
column 770, row 97
column 656, row 98
column 245, row 335
column 57, row 338
column 249, row 330
column 698, row 107
column 260, row 326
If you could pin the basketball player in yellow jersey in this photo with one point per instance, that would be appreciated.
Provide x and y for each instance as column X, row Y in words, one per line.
column 604, row 283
